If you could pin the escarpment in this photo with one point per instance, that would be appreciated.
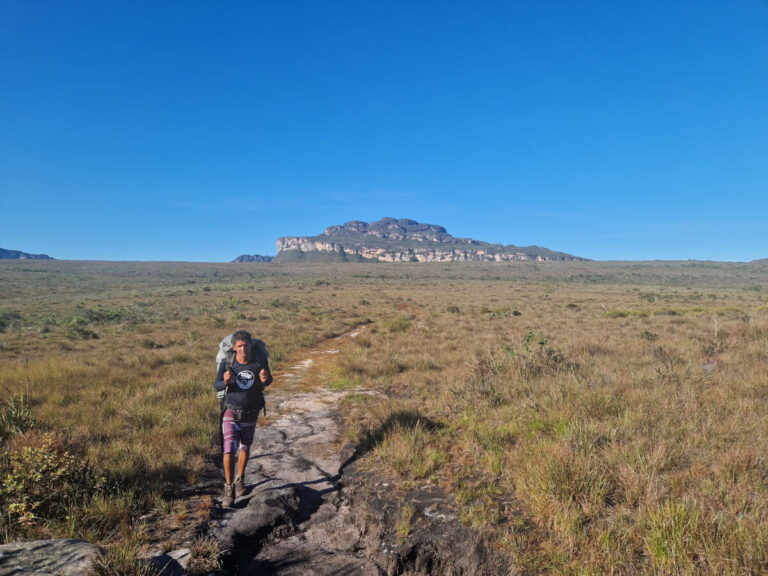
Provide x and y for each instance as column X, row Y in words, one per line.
column 403, row 240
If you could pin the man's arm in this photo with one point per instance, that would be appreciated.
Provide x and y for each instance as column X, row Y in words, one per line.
column 223, row 378
column 265, row 374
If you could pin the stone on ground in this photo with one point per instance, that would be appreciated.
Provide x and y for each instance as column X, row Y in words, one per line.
column 49, row 557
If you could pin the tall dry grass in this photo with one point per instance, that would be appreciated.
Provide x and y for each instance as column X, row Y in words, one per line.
column 582, row 440
column 589, row 418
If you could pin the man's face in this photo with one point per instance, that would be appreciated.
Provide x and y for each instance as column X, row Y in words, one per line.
column 242, row 348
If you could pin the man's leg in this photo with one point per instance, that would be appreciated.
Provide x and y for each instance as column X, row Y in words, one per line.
column 242, row 460
column 246, row 438
column 229, row 445
column 229, row 467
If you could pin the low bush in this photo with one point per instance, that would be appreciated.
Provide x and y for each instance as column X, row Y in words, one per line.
column 398, row 325
column 43, row 482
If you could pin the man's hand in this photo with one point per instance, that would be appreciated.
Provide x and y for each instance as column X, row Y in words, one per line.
column 263, row 375
column 229, row 377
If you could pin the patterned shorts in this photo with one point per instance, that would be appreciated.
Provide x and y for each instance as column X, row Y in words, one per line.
column 238, row 432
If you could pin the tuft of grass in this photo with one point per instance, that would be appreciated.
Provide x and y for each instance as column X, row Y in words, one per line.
column 15, row 417
column 124, row 558
column 343, row 383
column 673, row 536
column 404, row 523
column 410, row 451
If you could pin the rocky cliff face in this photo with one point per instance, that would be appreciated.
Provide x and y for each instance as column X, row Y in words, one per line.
column 403, row 240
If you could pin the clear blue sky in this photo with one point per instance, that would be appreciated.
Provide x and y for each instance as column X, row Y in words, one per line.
column 200, row 130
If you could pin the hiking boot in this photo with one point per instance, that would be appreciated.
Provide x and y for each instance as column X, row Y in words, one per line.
column 239, row 486
column 229, row 495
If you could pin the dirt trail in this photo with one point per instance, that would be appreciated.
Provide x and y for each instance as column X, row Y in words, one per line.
column 294, row 520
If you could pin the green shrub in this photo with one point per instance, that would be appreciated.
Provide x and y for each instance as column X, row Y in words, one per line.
column 398, row 325
column 8, row 318
column 43, row 482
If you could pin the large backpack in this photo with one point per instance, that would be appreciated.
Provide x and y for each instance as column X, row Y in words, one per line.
column 226, row 354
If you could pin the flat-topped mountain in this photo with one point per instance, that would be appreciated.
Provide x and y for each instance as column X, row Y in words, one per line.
column 19, row 255
column 403, row 240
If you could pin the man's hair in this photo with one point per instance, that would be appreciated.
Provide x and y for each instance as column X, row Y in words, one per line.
column 241, row 335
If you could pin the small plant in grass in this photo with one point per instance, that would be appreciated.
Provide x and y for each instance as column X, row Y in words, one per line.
column 278, row 303
column 404, row 523
column 150, row 344
column 543, row 359
column 343, row 383
column 649, row 336
column 398, row 325
column 483, row 383
column 16, row 417
column 357, row 397
column 82, row 333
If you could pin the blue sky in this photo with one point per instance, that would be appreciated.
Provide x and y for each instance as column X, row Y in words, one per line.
column 203, row 130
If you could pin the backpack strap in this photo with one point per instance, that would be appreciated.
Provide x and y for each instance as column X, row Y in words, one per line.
column 229, row 360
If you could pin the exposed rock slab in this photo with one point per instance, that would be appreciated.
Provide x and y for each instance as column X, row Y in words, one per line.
column 47, row 557
column 436, row 542
column 290, row 522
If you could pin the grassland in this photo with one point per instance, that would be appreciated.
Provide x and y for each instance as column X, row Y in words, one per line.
column 590, row 418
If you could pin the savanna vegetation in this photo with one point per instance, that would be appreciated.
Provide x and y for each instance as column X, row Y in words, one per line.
column 589, row 418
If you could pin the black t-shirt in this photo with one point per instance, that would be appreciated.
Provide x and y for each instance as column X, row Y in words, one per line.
column 245, row 390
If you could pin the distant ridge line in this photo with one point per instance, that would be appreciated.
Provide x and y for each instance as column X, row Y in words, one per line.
column 19, row 255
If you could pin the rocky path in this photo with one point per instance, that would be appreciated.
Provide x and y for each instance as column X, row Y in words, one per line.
column 310, row 511
column 294, row 519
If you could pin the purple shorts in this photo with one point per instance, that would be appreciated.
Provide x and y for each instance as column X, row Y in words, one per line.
column 238, row 431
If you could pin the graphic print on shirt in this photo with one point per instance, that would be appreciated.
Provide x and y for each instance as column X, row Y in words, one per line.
column 245, row 379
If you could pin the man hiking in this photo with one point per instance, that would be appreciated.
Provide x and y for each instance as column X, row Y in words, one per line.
column 242, row 375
